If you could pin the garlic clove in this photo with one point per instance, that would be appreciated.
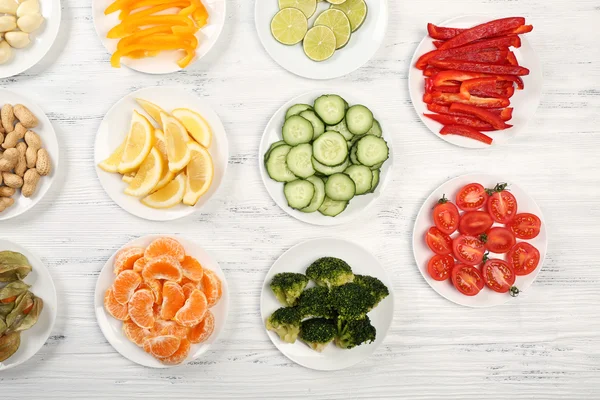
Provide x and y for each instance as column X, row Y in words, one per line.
column 8, row 7
column 17, row 40
column 8, row 23
column 5, row 52
column 30, row 22
column 28, row 7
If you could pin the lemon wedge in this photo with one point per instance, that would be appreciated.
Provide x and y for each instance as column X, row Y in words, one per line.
column 152, row 109
column 128, row 177
column 111, row 164
column 169, row 196
column 147, row 176
column 167, row 175
column 195, row 125
column 200, row 172
column 139, row 143
column 177, row 140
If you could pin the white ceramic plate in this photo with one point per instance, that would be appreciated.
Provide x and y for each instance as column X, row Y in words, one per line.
column 42, row 286
column 297, row 259
column 114, row 128
column 363, row 43
column 41, row 41
column 358, row 204
column 487, row 297
column 525, row 102
column 49, row 142
column 113, row 329
column 166, row 61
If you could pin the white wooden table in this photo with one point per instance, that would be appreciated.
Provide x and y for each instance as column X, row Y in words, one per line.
column 545, row 345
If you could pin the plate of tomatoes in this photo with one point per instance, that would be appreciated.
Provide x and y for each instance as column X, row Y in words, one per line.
column 479, row 241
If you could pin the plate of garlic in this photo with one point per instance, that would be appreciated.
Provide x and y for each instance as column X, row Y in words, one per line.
column 28, row 28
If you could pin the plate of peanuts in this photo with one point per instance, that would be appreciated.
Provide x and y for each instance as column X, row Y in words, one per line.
column 28, row 154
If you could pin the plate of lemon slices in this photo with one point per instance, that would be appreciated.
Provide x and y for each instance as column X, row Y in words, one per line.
column 161, row 153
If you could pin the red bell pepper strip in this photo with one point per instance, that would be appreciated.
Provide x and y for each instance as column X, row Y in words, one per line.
column 486, row 30
column 427, row 98
column 460, row 120
column 489, row 117
column 446, row 99
column 448, row 89
column 503, row 92
column 431, row 71
column 428, row 85
column 511, row 58
column 438, row 43
column 489, row 56
column 445, row 78
column 486, row 68
column 443, row 33
column 482, row 84
column 466, row 131
column 504, row 113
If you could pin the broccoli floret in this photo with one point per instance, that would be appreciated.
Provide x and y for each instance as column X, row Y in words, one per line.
column 318, row 333
column 330, row 272
column 316, row 302
column 374, row 285
column 352, row 301
column 286, row 323
column 354, row 333
column 288, row 286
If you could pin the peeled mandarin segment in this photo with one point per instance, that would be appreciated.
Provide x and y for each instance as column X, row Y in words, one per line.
column 200, row 173
column 125, row 285
column 126, row 258
column 193, row 311
column 170, row 328
column 211, row 286
column 201, row 332
column 192, row 269
column 134, row 333
column 111, row 164
column 188, row 288
column 173, row 300
column 139, row 264
column 156, row 287
column 118, row 311
column 139, row 143
column 162, row 346
column 141, row 309
column 179, row 356
column 165, row 246
column 162, row 267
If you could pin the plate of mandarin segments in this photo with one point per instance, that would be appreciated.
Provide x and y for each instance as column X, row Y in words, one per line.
column 161, row 301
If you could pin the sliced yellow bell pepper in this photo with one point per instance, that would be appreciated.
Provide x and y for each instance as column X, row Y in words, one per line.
column 153, row 9
column 131, row 25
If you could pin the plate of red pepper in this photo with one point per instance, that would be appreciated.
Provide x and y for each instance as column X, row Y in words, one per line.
column 479, row 242
column 476, row 82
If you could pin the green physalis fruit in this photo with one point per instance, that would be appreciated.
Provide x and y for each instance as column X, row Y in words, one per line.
column 13, row 266
column 9, row 344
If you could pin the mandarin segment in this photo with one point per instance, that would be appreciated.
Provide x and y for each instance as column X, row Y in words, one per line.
column 156, row 287
column 211, row 286
column 134, row 333
column 126, row 258
column 173, row 300
column 188, row 288
column 139, row 264
column 193, row 311
column 141, row 308
column 201, row 332
column 165, row 246
column 163, row 267
column 192, row 269
column 114, row 308
column 162, row 327
column 179, row 356
column 125, row 284
column 162, row 346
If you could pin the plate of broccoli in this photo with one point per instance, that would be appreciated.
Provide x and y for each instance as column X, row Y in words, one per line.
column 327, row 304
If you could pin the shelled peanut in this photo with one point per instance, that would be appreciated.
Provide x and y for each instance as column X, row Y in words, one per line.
column 23, row 160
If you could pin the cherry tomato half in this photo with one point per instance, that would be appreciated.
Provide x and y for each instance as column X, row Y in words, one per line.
column 525, row 226
column 500, row 240
column 475, row 223
column 467, row 279
column 440, row 267
column 502, row 205
column 523, row 258
column 445, row 216
column 438, row 241
column 471, row 197
column 468, row 249
column 498, row 275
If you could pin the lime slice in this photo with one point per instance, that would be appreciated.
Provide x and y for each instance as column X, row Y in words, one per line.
column 319, row 43
column 289, row 26
column 355, row 10
column 308, row 7
column 337, row 21
column 336, row 1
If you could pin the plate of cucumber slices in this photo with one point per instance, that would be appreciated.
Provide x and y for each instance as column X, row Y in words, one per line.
column 324, row 158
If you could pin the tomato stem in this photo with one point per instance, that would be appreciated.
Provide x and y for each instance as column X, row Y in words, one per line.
column 486, row 256
column 483, row 237
column 514, row 291
column 500, row 187
column 443, row 200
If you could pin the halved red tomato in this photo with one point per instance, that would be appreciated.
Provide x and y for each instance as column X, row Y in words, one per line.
column 438, row 241
column 475, row 223
column 468, row 249
column 525, row 226
column 500, row 240
column 502, row 205
column 440, row 267
column 445, row 216
column 498, row 275
column 467, row 279
column 471, row 197
column 523, row 258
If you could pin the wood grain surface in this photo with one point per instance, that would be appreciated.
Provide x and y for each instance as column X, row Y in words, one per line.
column 544, row 345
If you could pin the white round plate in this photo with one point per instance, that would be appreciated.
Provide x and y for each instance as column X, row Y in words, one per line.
column 41, row 41
column 525, row 102
column 165, row 62
column 297, row 259
column 487, row 297
column 113, row 329
column 114, row 128
column 363, row 43
column 42, row 286
column 358, row 204
column 49, row 142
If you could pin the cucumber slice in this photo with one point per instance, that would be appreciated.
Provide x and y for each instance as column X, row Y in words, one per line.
column 375, row 129
column 340, row 187
column 276, row 164
column 353, row 158
column 271, row 147
column 319, row 196
column 327, row 171
column 318, row 125
column 343, row 129
column 297, row 130
column 359, row 119
column 330, row 108
column 299, row 193
column 376, row 166
column 299, row 161
column 330, row 149
column 332, row 208
column 372, row 150
column 362, row 177
column 375, row 182
column 355, row 138
column 296, row 109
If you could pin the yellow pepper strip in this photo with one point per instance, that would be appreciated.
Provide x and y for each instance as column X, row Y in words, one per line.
column 142, row 33
column 137, row 4
column 154, row 9
column 142, row 54
column 132, row 24
column 118, row 5
column 182, row 30
column 200, row 15
column 115, row 60
column 187, row 11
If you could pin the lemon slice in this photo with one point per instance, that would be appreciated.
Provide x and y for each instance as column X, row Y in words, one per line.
column 152, row 109
column 167, row 175
column 355, row 10
column 289, row 26
column 176, row 139
column 111, row 164
column 139, row 143
column 195, row 125
column 200, row 172
column 128, row 177
column 339, row 23
column 308, row 7
column 147, row 176
column 319, row 43
column 169, row 196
